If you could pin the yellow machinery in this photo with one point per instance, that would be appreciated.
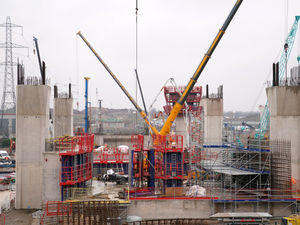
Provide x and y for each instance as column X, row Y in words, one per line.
column 178, row 105
column 293, row 219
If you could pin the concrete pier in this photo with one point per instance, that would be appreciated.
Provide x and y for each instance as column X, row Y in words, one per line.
column 63, row 117
column 213, row 120
column 32, row 130
column 285, row 121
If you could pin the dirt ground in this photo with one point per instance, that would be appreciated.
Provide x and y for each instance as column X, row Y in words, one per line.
column 20, row 217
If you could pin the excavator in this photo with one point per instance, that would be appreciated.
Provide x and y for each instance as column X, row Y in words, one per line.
column 165, row 130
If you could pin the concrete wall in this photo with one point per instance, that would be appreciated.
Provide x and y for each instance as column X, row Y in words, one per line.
column 116, row 140
column 32, row 130
column 164, row 209
column 285, row 121
column 63, row 117
column 213, row 120
column 51, row 171
column 276, row 209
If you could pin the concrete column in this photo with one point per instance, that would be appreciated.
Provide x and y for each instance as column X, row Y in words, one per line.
column 180, row 129
column 213, row 120
column 63, row 117
column 285, row 121
column 32, row 130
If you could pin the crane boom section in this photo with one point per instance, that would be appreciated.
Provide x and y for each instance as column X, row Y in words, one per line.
column 38, row 54
column 141, row 112
column 178, row 105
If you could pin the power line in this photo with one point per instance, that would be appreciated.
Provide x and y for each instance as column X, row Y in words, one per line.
column 9, row 95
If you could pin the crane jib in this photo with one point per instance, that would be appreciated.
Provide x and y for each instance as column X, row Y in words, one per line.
column 141, row 112
column 178, row 105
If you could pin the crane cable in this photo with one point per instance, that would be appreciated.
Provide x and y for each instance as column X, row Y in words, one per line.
column 136, row 53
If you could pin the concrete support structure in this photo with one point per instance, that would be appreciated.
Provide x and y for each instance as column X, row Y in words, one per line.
column 32, row 130
column 285, row 121
column 201, row 208
column 63, row 116
column 213, row 120
column 116, row 140
column 167, row 209
column 51, row 171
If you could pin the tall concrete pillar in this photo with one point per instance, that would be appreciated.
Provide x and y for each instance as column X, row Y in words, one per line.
column 285, row 121
column 63, row 117
column 32, row 130
column 213, row 120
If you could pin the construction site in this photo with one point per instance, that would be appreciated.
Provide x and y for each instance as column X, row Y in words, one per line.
column 186, row 160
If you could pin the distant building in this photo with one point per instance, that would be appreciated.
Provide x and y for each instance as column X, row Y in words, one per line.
column 112, row 124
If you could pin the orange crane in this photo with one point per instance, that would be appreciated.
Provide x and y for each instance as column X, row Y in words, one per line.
column 178, row 105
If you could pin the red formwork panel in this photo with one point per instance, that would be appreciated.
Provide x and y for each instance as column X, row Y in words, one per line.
column 71, row 175
column 74, row 145
column 107, row 155
column 72, row 149
column 172, row 94
column 137, row 142
column 168, row 144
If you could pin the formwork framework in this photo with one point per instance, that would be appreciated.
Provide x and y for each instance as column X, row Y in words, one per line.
column 76, row 163
column 194, row 154
column 258, row 172
column 172, row 94
column 143, row 165
column 162, row 166
column 106, row 158
column 193, row 114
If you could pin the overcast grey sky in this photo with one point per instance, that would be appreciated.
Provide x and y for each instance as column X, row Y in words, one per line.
column 173, row 37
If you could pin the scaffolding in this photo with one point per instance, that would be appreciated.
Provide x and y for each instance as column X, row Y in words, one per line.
column 106, row 158
column 76, row 163
column 258, row 172
column 194, row 154
column 193, row 115
column 162, row 167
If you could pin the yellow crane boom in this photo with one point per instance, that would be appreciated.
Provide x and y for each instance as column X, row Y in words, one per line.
column 178, row 105
column 137, row 107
